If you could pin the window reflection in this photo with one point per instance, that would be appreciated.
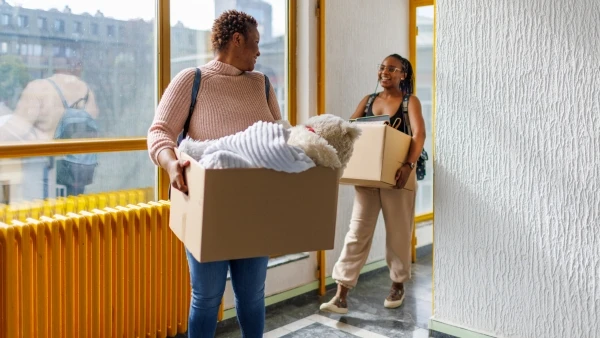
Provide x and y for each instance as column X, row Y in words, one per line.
column 69, row 71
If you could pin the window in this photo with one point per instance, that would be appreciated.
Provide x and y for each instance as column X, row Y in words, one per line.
column 119, row 74
column 110, row 31
column 33, row 178
column 121, row 78
column 59, row 51
column 424, row 76
column 37, row 50
column 23, row 49
column 5, row 19
column 23, row 21
column 77, row 27
column 94, row 29
column 123, row 32
column 42, row 23
column 59, row 26
column 271, row 17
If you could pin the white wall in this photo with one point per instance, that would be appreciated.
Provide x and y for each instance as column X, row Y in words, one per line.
column 359, row 35
column 517, row 165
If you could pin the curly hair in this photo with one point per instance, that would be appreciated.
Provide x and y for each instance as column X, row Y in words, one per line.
column 229, row 23
column 407, row 85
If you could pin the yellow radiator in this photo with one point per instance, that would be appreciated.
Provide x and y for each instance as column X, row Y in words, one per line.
column 110, row 272
column 37, row 208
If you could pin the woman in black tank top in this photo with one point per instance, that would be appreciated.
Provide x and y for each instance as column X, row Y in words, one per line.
column 395, row 75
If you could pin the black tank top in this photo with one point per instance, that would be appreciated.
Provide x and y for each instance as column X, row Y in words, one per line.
column 398, row 115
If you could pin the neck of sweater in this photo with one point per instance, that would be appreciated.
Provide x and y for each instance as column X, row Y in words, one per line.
column 222, row 68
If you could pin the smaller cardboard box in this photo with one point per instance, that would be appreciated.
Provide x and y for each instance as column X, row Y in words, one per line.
column 243, row 213
column 378, row 154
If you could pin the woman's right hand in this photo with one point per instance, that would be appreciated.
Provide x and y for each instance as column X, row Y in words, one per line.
column 175, row 169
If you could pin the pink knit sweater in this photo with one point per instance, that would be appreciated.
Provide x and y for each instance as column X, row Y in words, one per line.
column 229, row 101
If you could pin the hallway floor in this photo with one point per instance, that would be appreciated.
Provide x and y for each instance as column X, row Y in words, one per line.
column 300, row 317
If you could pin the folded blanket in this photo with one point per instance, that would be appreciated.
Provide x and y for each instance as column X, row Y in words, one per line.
column 262, row 145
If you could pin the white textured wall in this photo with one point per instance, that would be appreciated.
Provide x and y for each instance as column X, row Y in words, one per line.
column 359, row 35
column 517, row 168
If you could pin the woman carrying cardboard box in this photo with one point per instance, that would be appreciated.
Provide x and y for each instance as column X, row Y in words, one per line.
column 395, row 75
column 230, row 98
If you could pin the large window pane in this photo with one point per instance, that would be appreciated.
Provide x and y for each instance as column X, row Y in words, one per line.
column 190, row 36
column 101, row 56
column 424, row 90
column 25, row 183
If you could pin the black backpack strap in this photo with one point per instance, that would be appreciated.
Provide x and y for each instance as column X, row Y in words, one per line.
column 64, row 101
column 84, row 99
column 369, row 102
column 195, row 88
column 405, row 111
column 62, row 97
column 267, row 87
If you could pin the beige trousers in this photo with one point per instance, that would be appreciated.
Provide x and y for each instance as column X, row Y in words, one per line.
column 398, row 207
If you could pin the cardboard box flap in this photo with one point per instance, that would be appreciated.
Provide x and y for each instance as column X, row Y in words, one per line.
column 369, row 148
column 394, row 154
column 187, row 210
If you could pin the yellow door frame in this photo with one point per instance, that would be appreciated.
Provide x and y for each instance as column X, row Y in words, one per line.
column 414, row 4
column 321, row 38
column 413, row 32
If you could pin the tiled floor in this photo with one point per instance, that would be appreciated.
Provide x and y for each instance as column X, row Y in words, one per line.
column 300, row 317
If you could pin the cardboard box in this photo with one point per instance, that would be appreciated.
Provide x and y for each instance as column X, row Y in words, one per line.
column 378, row 154
column 243, row 213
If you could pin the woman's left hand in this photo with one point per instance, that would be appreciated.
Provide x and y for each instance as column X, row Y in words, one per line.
column 402, row 176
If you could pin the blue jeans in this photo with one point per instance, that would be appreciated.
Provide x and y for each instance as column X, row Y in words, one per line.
column 208, row 285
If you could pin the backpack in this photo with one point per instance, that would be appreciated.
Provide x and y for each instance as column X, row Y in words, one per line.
column 420, row 172
column 75, row 170
column 195, row 88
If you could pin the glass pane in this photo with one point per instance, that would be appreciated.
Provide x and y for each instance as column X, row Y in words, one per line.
column 100, row 54
column 424, row 79
column 27, row 183
column 190, row 36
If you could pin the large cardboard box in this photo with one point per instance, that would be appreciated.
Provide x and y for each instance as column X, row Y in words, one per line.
column 243, row 213
column 378, row 154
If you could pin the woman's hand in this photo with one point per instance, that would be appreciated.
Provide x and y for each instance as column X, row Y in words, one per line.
column 402, row 176
column 175, row 169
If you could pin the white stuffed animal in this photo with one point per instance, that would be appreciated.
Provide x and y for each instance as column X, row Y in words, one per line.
column 327, row 139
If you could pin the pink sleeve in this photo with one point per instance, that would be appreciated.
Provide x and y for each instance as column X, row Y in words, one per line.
column 171, row 114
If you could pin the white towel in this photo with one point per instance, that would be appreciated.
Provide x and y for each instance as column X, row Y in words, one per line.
column 262, row 145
